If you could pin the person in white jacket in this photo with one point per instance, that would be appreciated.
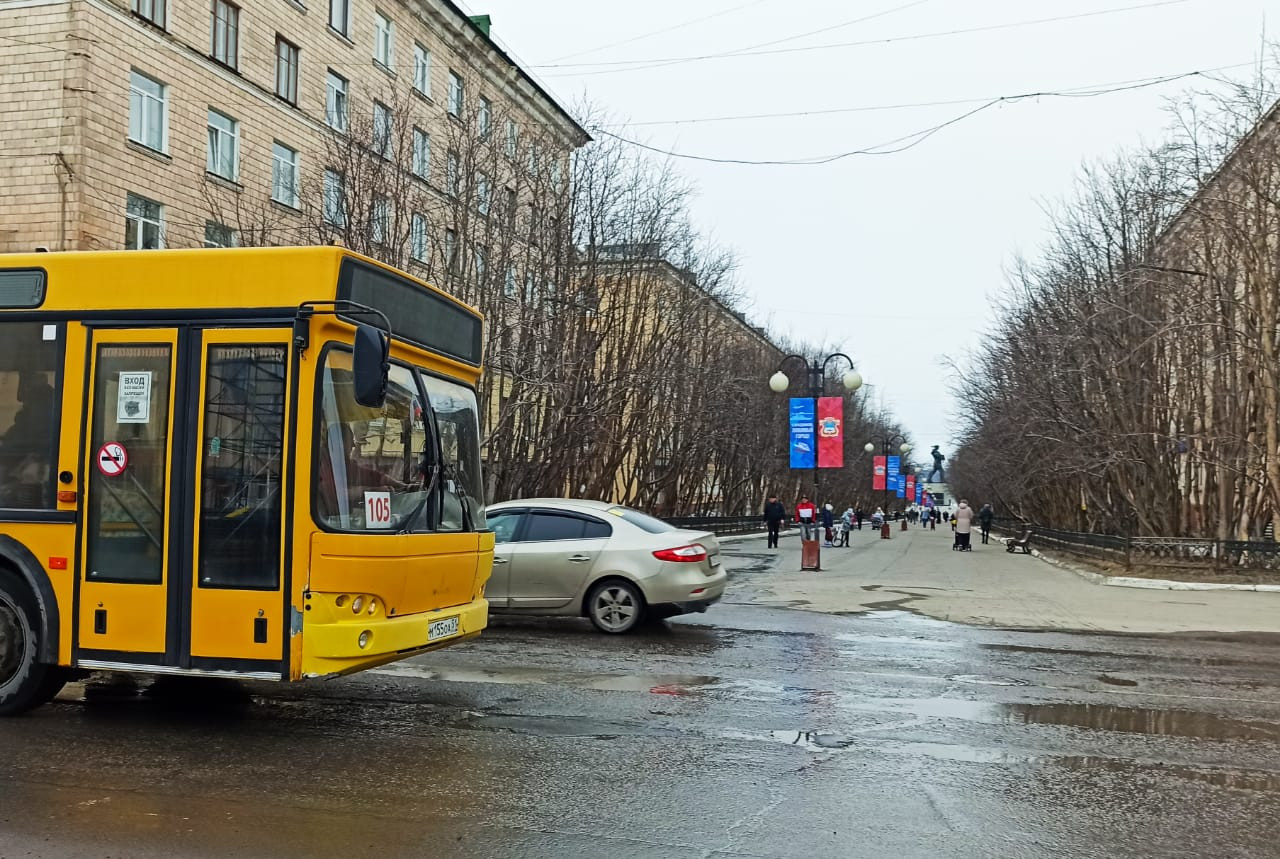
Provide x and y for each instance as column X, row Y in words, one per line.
column 964, row 525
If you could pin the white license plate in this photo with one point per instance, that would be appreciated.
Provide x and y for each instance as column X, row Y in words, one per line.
column 442, row 628
column 715, row 560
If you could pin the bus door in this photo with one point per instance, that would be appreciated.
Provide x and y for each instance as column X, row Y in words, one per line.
column 183, row 521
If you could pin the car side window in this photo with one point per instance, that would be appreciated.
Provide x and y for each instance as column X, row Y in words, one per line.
column 544, row 527
column 504, row 526
column 595, row 529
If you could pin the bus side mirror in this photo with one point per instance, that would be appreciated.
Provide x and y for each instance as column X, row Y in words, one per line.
column 370, row 365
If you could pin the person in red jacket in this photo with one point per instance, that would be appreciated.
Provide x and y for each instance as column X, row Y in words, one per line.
column 807, row 516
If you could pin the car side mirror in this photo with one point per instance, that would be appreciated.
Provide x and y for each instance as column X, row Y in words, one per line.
column 370, row 366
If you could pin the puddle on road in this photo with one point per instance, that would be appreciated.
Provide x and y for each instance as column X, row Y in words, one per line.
column 1109, row 654
column 1117, row 681
column 1140, row 720
column 659, row 684
column 986, row 680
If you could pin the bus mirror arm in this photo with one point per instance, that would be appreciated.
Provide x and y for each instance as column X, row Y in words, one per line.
column 371, row 358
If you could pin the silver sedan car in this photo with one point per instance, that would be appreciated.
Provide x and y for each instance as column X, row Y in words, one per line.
column 616, row 566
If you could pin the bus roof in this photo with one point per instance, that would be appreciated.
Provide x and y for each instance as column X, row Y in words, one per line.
column 195, row 279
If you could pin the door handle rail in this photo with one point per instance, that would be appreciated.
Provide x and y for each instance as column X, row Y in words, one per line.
column 578, row 559
column 499, row 560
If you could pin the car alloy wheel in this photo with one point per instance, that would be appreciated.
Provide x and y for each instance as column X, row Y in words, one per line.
column 615, row 607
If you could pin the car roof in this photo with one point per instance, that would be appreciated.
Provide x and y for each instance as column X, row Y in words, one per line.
column 570, row 503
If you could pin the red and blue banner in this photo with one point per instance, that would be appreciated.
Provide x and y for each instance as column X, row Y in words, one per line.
column 830, row 432
column 877, row 473
column 802, row 442
column 911, row 487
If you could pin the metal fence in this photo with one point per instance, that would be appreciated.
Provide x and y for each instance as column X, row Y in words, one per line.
column 1212, row 555
column 719, row 524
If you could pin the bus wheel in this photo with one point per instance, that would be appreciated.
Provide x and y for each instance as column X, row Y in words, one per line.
column 24, row 682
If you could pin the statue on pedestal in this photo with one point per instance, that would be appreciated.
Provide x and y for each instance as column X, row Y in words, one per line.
column 938, row 459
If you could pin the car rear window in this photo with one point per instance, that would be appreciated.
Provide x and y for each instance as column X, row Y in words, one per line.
column 643, row 521
column 549, row 526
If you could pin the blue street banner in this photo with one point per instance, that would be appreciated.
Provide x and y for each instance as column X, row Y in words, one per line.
column 802, row 441
column 894, row 475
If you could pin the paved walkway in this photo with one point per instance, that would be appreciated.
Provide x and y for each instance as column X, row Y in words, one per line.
column 917, row 571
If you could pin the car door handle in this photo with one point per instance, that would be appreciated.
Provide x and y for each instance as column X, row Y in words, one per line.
column 578, row 559
column 499, row 560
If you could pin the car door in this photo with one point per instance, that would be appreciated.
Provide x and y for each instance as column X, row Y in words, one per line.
column 554, row 557
column 505, row 525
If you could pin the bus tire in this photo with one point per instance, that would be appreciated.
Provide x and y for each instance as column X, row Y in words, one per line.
column 25, row 682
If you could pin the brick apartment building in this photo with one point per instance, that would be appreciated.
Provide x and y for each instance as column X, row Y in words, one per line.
column 182, row 123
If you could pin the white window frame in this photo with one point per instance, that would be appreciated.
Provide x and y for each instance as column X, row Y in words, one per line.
column 450, row 249
column 484, row 196
column 384, row 40
column 340, row 17
column 418, row 237
column 380, row 219
column 224, row 146
column 230, row 32
column 154, row 11
column 480, row 262
column 421, row 153
column 513, row 138
column 511, row 282
column 284, row 189
column 457, row 95
column 383, row 129
column 334, row 200
column 452, row 174
column 422, row 69
column 288, row 60
column 337, row 105
column 147, row 96
column 484, row 118
column 143, row 220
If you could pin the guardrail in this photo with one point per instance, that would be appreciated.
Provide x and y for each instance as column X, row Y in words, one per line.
column 1219, row 555
column 719, row 524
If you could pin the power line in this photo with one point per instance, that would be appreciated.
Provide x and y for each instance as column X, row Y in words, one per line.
column 1065, row 91
column 907, row 141
column 644, row 64
column 669, row 29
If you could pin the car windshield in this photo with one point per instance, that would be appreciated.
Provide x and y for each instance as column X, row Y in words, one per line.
column 643, row 521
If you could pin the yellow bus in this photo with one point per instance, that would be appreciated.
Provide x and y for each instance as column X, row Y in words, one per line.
column 229, row 463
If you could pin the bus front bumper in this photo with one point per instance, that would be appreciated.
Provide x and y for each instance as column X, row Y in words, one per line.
column 333, row 648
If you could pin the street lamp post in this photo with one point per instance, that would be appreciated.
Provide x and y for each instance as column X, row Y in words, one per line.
column 817, row 373
column 886, row 447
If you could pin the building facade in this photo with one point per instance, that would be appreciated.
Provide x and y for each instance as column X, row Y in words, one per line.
column 395, row 127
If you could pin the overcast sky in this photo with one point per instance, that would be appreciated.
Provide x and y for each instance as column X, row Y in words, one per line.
column 891, row 258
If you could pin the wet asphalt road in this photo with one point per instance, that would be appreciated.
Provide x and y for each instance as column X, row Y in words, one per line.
column 748, row 731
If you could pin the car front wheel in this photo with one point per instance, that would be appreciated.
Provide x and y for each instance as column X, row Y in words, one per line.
column 615, row 606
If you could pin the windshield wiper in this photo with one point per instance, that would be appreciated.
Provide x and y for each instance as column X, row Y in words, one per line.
column 426, row 497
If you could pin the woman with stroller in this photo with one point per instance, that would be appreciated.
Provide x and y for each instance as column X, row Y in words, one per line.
column 964, row 526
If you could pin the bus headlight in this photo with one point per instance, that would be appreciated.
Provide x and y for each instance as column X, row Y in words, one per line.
column 357, row 605
column 364, row 638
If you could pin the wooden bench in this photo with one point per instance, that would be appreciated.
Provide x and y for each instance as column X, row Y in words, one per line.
column 1020, row 543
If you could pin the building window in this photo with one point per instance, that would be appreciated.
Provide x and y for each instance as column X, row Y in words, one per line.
column 484, row 118
column 513, row 138
column 510, row 284
column 455, row 94
column 143, row 223
column 148, row 112
column 452, row 178
column 421, row 69
column 483, row 199
column 533, row 158
column 530, row 288
column 482, row 264
column 335, row 103
column 510, row 202
column 381, row 129
column 533, row 225
column 335, row 199
column 421, row 154
column 340, row 16
column 218, row 235
column 418, row 237
column 451, row 249
column 224, row 146
column 286, row 70
column 226, row 33
column 150, row 10
column 384, row 39
column 379, row 219
column 284, row 175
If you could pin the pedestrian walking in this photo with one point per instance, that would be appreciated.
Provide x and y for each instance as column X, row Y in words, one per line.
column 985, row 515
column 963, row 523
column 924, row 518
column 858, row 516
column 847, row 521
column 807, row 516
column 828, row 521
column 774, row 515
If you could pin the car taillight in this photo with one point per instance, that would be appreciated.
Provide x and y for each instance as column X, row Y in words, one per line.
column 690, row 554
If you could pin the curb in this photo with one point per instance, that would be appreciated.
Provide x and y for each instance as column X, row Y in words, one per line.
column 738, row 538
column 1150, row 584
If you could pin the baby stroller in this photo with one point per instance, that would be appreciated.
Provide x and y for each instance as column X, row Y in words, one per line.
column 962, row 543
column 840, row 533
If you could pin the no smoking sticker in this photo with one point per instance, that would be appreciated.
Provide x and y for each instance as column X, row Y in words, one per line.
column 112, row 459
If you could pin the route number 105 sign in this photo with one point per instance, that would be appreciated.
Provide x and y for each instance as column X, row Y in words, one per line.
column 377, row 509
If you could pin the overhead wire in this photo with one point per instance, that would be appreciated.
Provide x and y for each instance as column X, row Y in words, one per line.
column 906, row 141
column 616, row 66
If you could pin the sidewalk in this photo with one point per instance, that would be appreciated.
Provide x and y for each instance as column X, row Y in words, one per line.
column 917, row 571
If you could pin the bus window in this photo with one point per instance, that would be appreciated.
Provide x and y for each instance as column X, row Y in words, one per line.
column 456, row 419
column 368, row 457
column 28, row 414
column 241, row 472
